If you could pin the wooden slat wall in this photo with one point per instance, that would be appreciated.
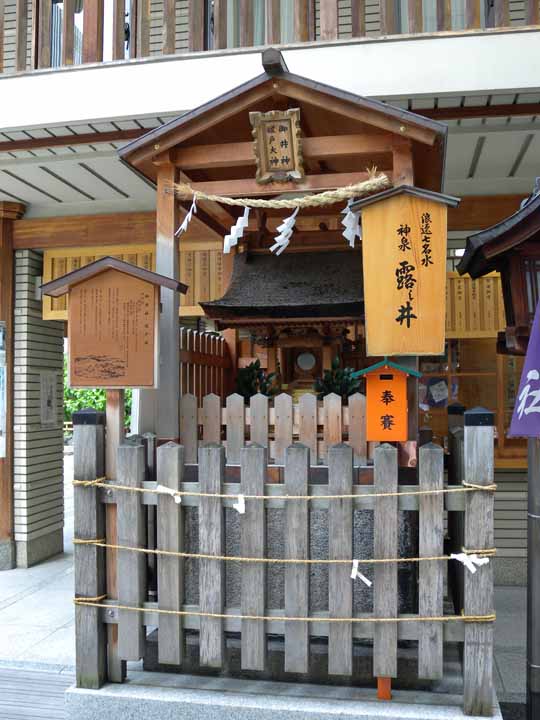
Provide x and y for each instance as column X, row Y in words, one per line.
column 10, row 35
column 38, row 451
column 201, row 267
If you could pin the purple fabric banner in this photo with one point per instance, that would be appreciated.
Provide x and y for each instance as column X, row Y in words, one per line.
column 526, row 416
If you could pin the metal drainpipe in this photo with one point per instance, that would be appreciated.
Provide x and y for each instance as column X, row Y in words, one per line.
column 533, row 581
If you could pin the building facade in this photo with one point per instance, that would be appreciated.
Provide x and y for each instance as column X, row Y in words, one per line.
column 80, row 81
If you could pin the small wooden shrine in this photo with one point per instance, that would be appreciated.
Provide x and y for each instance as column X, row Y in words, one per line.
column 511, row 247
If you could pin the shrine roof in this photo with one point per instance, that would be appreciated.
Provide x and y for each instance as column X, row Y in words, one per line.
column 449, row 200
column 60, row 286
column 292, row 285
column 484, row 248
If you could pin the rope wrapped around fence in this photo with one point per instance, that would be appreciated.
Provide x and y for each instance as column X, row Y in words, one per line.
column 465, row 487
column 97, row 602
column 101, row 542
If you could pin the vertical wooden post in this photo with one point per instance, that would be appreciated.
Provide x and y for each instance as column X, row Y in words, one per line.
column 89, row 464
column 143, row 28
column 92, row 41
column 170, row 468
column 118, row 32
column 533, row 12
column 385, row 543
column 416, row 21
column 220, row 24
column 211, row 542
column 283, row 434
column 196, row 26
column 472, row 14
column 114, row 414
column 236, row 428
column 21, row 28
column 272, row 22
column 230, row 335
column 68, row 32
column 253, row 544
column 304, row 20
column 340, row 547
column 478, row 648
column 402, row 161
column 245, row 11
column 297, row 546
column 358, row 18
column 131, row 565
column 167, row 263
column 501, row 13
column 430, row 638
column 169, row 27
column 444, row 14
column 8, row 213
column 329, row 19
column 388, row 21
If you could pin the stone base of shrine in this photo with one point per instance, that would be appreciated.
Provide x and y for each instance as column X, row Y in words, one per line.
column 160, row 696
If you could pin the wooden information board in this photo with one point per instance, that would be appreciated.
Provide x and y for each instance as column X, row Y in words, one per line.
column 113, row 332
column 404, row 256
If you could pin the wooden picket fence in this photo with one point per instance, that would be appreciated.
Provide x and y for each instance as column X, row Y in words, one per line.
column 275, row 424
column 204, row 363
column 208, row 492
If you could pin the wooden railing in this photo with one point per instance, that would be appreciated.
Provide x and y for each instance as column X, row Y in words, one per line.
column 195, row 604
column 31, row 37
column 205, row 364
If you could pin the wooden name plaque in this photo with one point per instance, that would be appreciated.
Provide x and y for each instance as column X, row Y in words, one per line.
column 112, row 332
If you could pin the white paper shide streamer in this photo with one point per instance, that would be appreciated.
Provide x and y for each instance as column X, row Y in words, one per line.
column 185, row 222
column 164, row 490
column 355, row 573
column 285, row 231
column 237, row 230
column 471, row 562
column 240, row 505
column 351, row 223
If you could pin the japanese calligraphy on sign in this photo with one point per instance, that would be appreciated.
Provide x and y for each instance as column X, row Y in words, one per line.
column 386, row 393
column 526, row 416
column 112, row 331
column 277, row 145
column 404, row 258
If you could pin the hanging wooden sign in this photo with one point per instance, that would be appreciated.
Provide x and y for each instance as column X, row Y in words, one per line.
column 277, row 145
column 113, row 316
column 404, row 262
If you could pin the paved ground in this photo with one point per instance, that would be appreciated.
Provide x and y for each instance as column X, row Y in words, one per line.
column 36, row 617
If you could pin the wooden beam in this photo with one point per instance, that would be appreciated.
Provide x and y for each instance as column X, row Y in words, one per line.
column 68, row 32
column 249, row 187
column 62, row 140
column 21, row 29
column 92, row 41
column 118, row 33
column 458, row 113
column 403, row 162
column 328, row 18
column 273, row 21
column 472, row 14
column 196, row 25
column 44, row 34
column 8, row 213
column 220, row 24
column 358, row 18
column 387, row 9
column 318, row 148
column 304, row 29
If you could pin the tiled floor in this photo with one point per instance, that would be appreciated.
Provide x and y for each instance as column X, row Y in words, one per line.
column 36, row 617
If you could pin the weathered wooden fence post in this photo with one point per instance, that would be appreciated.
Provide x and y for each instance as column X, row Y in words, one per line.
column 170, row 570
column 340, row 547
column 89, row 464
column 131, row 468
column 478, row 649
column 211, row 542
column 253, row 544
column 297, row 546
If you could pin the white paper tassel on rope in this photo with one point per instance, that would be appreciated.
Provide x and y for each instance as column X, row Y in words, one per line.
column 164, row 490
column 240, row 505
column 351, row 223
column 355, row 573
column 237, row 230
column 285, row 231
column 185, row 222
column 470, row 561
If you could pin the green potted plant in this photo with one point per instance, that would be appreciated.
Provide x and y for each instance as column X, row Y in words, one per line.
column 253, row 379
column 337, row 380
